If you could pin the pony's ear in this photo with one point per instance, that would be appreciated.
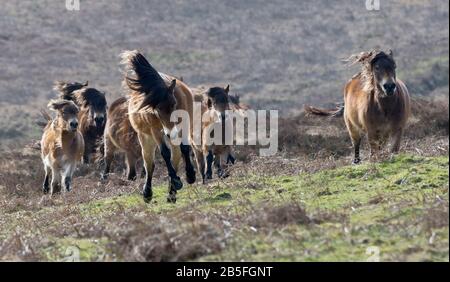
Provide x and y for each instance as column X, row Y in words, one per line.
column 391, row 53
column 57, row 105
column 227, row 89
column 86, row 83
column 171, row 89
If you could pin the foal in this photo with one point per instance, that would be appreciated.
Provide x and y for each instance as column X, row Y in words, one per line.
column 62, row 145
column 153, row 98
column 92, row 116
column 376, row 103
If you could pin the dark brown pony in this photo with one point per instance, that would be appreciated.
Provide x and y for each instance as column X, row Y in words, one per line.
column 120, row 136
column 92, row 116
column 153, row 97
column 376, row 103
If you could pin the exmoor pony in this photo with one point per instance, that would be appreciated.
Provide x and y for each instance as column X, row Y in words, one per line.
column 376, row 103
column 120, row 136
column 153, row 97
column 62, row 145
column 214, row 108
column 92, row 116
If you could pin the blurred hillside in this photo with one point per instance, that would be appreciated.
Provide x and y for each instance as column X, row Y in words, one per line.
column 277, row 54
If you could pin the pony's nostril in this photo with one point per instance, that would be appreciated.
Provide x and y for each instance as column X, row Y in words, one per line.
column 99, row 120
column 389, row 87
column 74, row 124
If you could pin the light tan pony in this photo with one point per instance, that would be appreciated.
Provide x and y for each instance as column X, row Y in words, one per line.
column 153, row 97
column 62, row 146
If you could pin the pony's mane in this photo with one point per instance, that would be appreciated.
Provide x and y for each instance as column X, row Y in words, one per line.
column 366, row 59
column 235, row 99
column 89, row 97
column 65, row 89
column 218, row 94
column 143, row 78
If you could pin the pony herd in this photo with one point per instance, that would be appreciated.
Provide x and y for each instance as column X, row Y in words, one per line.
column 376, row 103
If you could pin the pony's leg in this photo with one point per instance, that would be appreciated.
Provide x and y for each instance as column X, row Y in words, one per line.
column 200, row 160
column 231, row 159
column 148, row 146
column 88, row 148
column 175, row 183
column 55, row 187
column 356, row 137
column 375, row 145
column 46, row 184
column 209, row 161
column 223, row 161
column 143, row 171
column 190, row 171
column 109, row 149
column 131, row 160
column 66, row 177
column 397, row 136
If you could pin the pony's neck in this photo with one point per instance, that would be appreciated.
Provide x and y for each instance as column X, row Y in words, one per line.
column 67, row 138
column 384, row 103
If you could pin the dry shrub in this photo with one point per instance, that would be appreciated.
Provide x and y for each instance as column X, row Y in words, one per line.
column 19, row 248
column 271, row 216
column 436, row 215
column 182, row 236
column 429, row 118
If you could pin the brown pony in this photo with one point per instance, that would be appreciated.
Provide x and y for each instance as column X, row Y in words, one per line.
column 376, row 103
column 120, row 136
column 215, row 104
column 92, row 116
column 62, row 145
column 153, row 97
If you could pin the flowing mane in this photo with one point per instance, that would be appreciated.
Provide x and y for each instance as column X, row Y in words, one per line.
column 367, row 59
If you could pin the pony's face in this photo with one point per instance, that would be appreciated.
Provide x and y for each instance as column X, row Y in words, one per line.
column 95, row 104
column 98, row 115
column 219, row 100
column 67, row 114
column 383, row 69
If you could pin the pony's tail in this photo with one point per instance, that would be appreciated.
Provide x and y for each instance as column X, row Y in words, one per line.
column 337, row 112
column 47, row 117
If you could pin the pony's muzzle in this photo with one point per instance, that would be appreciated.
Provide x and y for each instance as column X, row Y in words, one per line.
column 389, row 88
column 73, row 125
column 99, row 121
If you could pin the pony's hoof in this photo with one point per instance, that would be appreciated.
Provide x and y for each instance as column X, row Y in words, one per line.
column 356, row 161
column 147, row 195
column 176, row 183
column 104, row 177
column 45, row 190
column 190, row 177
column 172, row 199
